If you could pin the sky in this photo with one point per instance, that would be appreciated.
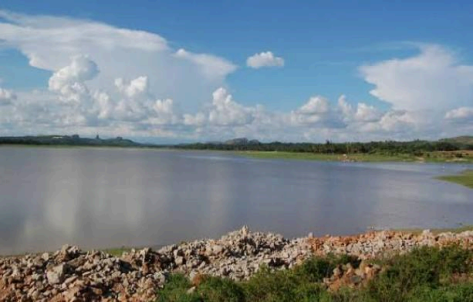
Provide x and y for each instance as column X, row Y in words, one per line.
column 179, row 71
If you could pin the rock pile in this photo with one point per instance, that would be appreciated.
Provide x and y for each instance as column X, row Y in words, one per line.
column 74, row 275
column 385, row 243
column 237, row 255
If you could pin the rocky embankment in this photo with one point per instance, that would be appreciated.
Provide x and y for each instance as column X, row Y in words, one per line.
column 74, row 275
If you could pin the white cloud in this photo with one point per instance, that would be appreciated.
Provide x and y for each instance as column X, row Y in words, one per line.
column 6, row 96
column 129, row 102
column 264, row 59
column 134, row 88
column 397, row 120
column 315, row 105
column 132, row 83
column 344, row 106
column 433, row 79
column 363, row 112
column 316, row 112
column 367, row 113
column 227, row 112
column 50, row 42
column 462, row 113
column 223, row 111
column 68, row 81
column 212, row 66
column 47, row 41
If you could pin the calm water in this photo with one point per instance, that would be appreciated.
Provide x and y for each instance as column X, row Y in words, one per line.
column 113, row 197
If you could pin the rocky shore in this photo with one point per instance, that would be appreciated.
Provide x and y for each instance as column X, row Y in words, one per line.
column 71, row 274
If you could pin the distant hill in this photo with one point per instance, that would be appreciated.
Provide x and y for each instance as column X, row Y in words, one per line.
column 466, row 139
column 66, row 140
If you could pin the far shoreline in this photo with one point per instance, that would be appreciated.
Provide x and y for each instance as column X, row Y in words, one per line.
column 352, row 157
column 432, row 158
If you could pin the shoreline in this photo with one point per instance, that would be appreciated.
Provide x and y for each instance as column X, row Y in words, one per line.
column 119, row 250
column 440, row 157
column 359, row 157
column 464, row 178
column 70, row 273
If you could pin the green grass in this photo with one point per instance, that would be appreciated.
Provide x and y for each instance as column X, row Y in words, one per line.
column 329, row 157
column 464, row 179
column 426, row 274
column 435, row 157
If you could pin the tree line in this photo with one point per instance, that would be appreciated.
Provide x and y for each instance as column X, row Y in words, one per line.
column 416, row 147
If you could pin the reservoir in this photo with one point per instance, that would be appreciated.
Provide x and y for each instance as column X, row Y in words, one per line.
column 110, row 197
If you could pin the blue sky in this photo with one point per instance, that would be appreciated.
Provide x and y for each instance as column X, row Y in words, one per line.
column 324, row 45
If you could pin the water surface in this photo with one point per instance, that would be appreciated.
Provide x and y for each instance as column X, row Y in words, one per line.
column 99, row 198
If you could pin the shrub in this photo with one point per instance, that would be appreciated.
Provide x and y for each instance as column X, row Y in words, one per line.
column 213, row 289
column 316, row 269
column 175, row 290
column 426, row 274
column 424, row 267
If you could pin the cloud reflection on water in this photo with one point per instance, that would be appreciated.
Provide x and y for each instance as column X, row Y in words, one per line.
column 112, row 197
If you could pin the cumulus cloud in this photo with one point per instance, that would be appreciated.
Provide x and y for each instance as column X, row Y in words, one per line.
column 227, row 112
column 264, row 59
column 433, row 79
column 462, row 113
column 50, row 42
column 223, row 111
column 315, row 111
column 397, row 120
column 132, row 83
column 129, row 102
column 69, row 80
column 6, row 97
column 362, row 113
column 315, row 105
column 134, row 88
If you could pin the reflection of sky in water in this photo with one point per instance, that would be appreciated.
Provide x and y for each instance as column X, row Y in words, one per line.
column 114, row 197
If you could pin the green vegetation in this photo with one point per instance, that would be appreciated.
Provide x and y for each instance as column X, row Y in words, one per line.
column 459, row 139
column 459, row 149
column 416, row 147
column 465, row 178
column 454, row 150
column 328, row 157
column 361, row 157
column 426, row 274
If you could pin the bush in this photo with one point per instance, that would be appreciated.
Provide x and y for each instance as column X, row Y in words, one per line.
column 213, row 289
column 175, row 290
column 422, row 268
column 316, row 269
column 425, row 274
column 451, row 293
